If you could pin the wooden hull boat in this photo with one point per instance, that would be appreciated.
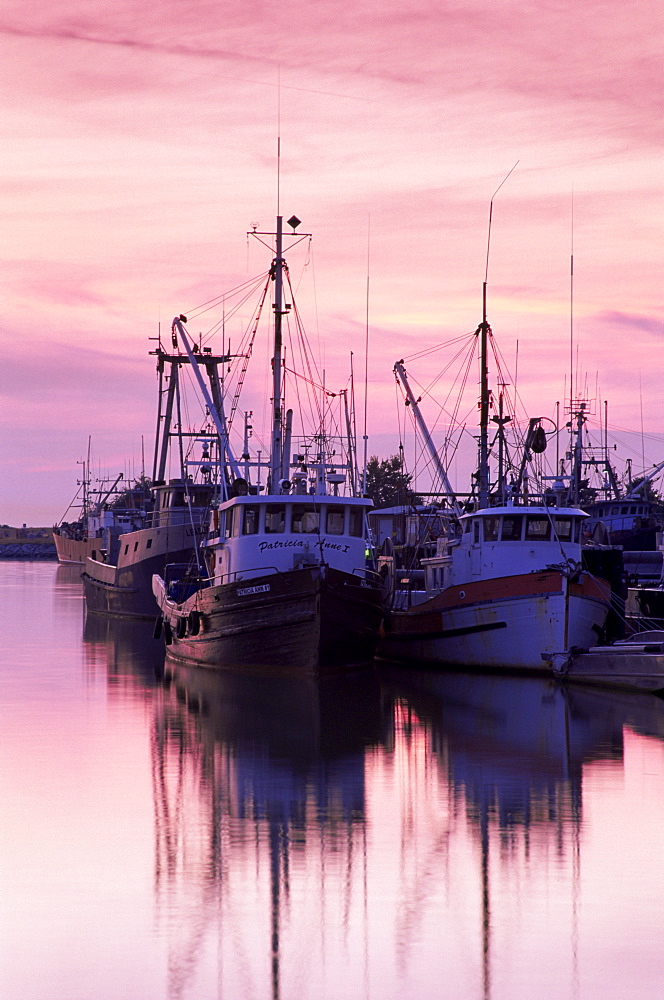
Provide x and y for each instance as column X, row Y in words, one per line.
column 303, row 621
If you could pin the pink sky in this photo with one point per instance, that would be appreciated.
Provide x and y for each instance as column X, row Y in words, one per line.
column 139, row 145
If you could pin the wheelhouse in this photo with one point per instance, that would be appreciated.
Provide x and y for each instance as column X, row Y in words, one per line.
column 514, row 524
column 275, row 534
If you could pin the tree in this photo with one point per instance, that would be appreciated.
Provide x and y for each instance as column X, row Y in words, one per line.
column 647, row 490
column 387, row 484
column 587, row 494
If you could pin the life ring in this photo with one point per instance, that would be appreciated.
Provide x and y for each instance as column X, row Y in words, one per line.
column 194, row 622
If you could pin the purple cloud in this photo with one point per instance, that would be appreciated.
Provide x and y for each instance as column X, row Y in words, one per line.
column 632, row 321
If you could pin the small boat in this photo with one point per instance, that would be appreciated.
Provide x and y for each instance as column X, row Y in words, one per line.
column 286, row 579
column 636, row 662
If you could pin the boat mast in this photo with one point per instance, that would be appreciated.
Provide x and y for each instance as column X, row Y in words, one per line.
column 276, row 451
column 483, row 470
column 577, row 469
column 483, row 331
column 218, row 416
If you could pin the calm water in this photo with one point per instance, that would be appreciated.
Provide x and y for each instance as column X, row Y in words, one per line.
column 399, row 835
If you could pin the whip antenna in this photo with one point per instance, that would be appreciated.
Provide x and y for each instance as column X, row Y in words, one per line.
column 488, row 239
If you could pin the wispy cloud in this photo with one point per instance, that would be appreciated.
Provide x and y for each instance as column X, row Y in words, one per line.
column 631, row 321
column 140, row 140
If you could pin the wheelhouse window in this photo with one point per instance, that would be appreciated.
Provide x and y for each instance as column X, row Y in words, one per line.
column 491, row 525
column 538, row 529
column 334, row 521
column 512, row 528
column 275, row 519
column 228, row 517
column 355, row 522
column 563, row 526
column 250, row 521
column 306, row 520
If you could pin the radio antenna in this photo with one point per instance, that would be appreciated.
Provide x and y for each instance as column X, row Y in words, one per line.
column 571, row 311
column 488, row 240
column 279, row 140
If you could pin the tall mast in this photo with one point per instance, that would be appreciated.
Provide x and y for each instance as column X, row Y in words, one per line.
column 485, row 399
column 483, row 470
column 276, row 456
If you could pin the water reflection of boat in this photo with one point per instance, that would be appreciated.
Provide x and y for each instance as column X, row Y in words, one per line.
column 125, row 649
column 253, row 774
column 309, row 828
column 506, row 736
column 68, row 578
column 509, row 742
column 515, row 752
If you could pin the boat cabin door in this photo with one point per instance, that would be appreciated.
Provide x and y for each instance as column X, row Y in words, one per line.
column 476, row 547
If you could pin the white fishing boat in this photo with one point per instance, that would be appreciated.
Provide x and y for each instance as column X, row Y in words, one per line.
column 511, row 588
column 286, row 578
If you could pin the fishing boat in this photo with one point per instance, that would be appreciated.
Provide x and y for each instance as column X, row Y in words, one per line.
column 117, row 579
column 635, row 663
column 629, row 514
column 286, row 578
column 121, row 585
column 104, row 512
column 510, row 587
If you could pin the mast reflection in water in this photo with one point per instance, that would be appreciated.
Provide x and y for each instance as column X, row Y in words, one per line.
column 383, row 835
column 260, row 806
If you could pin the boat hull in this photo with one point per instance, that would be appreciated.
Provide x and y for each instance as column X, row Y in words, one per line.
column 513, row 623
column 75, row 550
column 632, row 665
column 125, row 590
column 301, row 621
